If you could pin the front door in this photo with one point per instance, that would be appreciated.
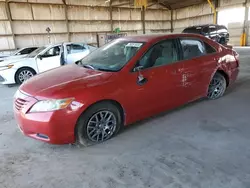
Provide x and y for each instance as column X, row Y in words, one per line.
column 157, row 86
column 50, row 59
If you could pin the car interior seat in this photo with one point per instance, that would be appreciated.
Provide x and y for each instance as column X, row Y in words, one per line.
column 191, row 51
column 168, row 56
column 154, row 55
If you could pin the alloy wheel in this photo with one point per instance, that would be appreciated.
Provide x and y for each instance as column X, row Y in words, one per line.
column 25, row 75
column 101, row 126
column 217, row 87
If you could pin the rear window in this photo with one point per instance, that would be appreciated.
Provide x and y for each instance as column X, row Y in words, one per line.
column 194, row 30
column 75, row 48
column 192, row 48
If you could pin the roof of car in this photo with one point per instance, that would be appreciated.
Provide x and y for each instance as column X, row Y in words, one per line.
column 203, row 25
column 151, row 37
column 57, row 44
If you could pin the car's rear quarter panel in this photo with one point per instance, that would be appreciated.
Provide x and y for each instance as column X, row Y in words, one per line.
column 225, row 61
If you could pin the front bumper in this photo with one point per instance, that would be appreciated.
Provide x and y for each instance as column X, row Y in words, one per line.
column 48, row 127
column 52, row 127
column 7, row 76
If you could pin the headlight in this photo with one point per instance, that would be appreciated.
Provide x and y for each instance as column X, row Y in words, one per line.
column 51, row 105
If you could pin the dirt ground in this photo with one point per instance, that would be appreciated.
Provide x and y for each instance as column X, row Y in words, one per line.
column 202, row 145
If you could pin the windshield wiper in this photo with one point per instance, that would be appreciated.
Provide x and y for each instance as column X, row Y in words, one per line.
column 106, row 70
column 89, row 67
column 97, row 68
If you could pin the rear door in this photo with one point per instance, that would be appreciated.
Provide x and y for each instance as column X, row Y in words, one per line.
column 49, row 59
column 199, row 60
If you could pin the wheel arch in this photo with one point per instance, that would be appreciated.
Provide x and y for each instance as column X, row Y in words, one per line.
column 223, row 73
column 20, row 68
column 114, row 102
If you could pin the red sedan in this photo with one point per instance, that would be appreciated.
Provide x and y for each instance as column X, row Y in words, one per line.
column 122, row 82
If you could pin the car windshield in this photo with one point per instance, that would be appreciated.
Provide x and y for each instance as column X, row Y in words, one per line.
column 36, row 52
column 112, row 56
column 16, row 52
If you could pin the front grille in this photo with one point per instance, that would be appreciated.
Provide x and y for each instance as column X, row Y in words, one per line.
column 19, row 103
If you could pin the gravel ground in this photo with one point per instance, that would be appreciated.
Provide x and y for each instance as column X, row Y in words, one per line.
column 202, row 145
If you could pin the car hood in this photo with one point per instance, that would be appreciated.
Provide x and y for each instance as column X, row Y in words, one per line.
column 12, row 57
column 61, row 82
column 3, row 57
column 14, row 60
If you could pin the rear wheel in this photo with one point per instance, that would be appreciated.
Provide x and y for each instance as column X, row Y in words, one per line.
column 24, row 74
column 217, row 86
column 98, row 124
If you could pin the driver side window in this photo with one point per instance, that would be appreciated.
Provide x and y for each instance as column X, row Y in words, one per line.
column 161, row 54
column 54, row 51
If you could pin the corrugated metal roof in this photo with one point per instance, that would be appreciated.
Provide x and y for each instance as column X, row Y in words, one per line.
column 175, row 4
column 169, row 4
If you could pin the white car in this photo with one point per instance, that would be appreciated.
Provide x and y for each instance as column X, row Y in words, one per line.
column 41, row 60
column 19, row 53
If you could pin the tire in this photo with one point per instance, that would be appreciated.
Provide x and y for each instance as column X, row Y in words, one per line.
column 217, row 86
column 25, row 73
column 87, row 123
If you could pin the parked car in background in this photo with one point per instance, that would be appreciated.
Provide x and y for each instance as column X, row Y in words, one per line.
column 41, row 60
column 19, row 53
column 120, row 83
column 218, row 33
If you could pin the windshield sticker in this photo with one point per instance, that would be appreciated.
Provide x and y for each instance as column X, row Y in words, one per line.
column 136, row 45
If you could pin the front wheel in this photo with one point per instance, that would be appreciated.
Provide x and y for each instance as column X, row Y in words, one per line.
column 217, row 86
column 23, row 75
column 99, row 123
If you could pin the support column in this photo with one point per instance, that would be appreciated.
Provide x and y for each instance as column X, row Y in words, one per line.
column 7, row 7
column 111, row 16
column 216, row 5
column 172, row 21
column 246, row 25
column 66, row 19
column 214, row 10
column 143, row 19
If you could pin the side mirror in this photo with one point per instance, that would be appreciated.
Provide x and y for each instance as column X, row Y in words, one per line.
column 138, row 68
column 78, row 62
column 40, row 57
column 140, row 78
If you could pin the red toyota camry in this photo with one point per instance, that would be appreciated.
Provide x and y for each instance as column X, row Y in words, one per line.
column 122, row 82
